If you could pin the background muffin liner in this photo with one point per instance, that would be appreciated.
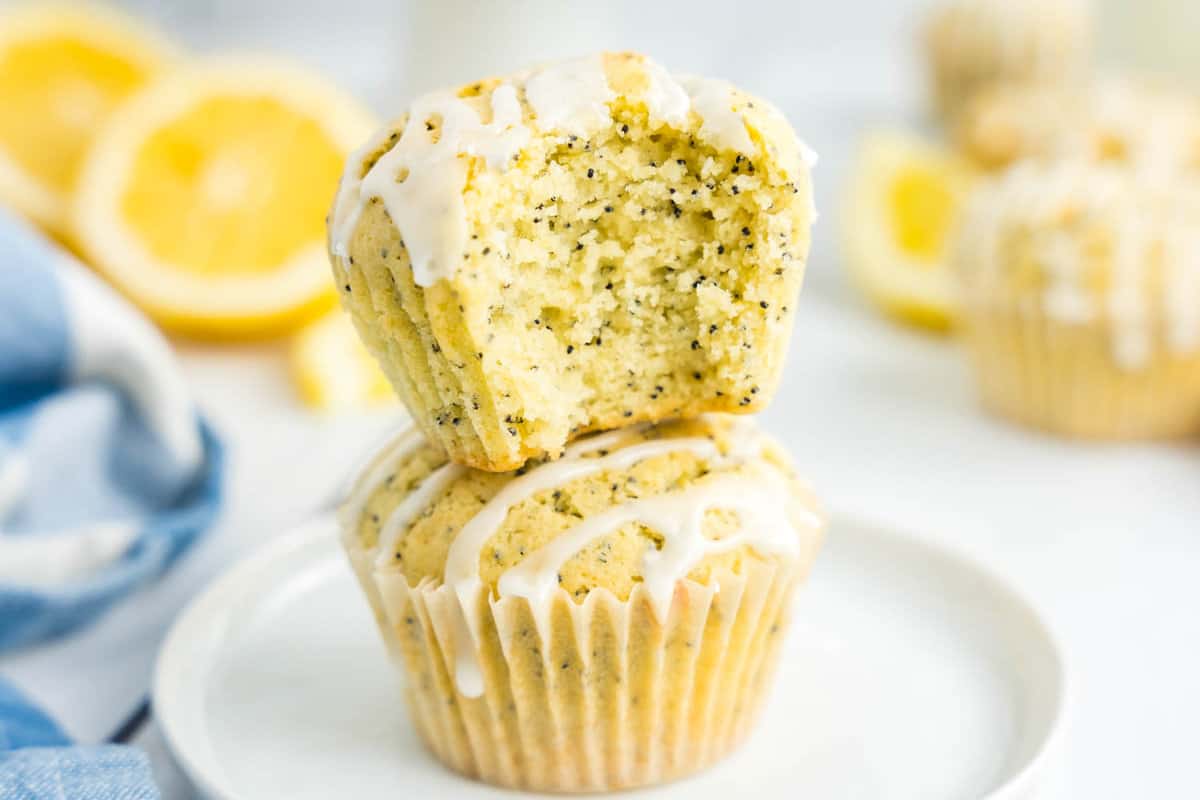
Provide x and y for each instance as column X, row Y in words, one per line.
column 1064, row 378
column 615, row 699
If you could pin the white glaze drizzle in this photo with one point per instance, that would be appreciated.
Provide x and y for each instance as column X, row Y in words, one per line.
column 421, row 179
column 761, row 505
column 411, row 507
column 462, row 564
column 348, row 202
column 380, row 463
column 572, row 96
column 665, row 97
column 720, row 124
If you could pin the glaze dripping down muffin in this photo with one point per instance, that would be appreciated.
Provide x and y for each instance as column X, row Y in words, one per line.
column 606, row 620
column 583, row 246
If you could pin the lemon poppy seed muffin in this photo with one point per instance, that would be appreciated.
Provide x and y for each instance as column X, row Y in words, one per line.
column 606, row 620
column 1143, row 124
column 974, row 44
column 1081, row 297
column 587, row 245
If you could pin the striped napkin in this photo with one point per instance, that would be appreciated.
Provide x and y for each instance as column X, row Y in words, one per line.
column 107, row 476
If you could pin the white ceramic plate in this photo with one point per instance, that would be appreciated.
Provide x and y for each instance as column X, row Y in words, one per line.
column 909, row 673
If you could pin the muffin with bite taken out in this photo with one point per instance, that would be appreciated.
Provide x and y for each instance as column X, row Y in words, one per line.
column 583, row 246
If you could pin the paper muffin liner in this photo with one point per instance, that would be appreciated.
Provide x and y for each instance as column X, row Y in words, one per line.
column 1065, row 379
column 607, row 696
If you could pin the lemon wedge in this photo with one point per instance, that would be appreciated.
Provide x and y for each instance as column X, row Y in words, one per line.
column 333, row 369
column 63, row 69
column 204, row 197
column 902, row 204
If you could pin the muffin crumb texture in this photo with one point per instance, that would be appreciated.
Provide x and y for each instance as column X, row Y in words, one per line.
column 623, row 247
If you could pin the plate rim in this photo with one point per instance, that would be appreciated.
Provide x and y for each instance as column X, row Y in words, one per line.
column 1025, row 780
column 209, row 778
column 165, row 703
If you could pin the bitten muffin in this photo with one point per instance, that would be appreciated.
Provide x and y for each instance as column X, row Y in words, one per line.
column 587, row 245
column 1081, row 299
column 1139, row 123
column 606, row 620
column 974, row 44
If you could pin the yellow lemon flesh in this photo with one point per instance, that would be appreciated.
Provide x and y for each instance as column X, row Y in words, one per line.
column 199, row 180
column 903, row 202
column 204, row 198
column 922, row 208
column 333, row 369
column 62, row 72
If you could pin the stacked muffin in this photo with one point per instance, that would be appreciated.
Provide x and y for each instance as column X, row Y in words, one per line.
column 1077, row 258
column 574, row 278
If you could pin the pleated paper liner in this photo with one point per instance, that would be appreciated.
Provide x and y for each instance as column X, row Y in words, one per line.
column 1065, row 379
column 611, row 697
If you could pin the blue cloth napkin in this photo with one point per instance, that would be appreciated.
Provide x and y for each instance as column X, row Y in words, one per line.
column 37, row 760
column 107, row 476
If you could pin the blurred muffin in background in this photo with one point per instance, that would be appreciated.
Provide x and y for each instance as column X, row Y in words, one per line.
column 974, row 44
column 1131, row 121
column 63, row 69
column 1080, row 290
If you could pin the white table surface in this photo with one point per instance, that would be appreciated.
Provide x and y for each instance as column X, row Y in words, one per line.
column 1105, row 539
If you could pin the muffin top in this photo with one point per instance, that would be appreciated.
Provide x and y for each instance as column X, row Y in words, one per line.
column 1139, row 123
column 442, row 166
column 649, row 504
column 1088, row 243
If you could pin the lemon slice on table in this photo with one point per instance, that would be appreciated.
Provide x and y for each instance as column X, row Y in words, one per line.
column 62, row 71
column 204, row 197
column 903, row 201
column 333, row 369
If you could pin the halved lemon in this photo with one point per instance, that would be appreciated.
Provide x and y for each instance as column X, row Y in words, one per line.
column 333, row 369
column 63, row 69
column 903, row 201
column 204, row 197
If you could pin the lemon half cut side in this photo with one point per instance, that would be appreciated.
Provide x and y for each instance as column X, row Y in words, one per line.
column 902, row 205
column 63, row 70
column 204, row 198
column 334, row 371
